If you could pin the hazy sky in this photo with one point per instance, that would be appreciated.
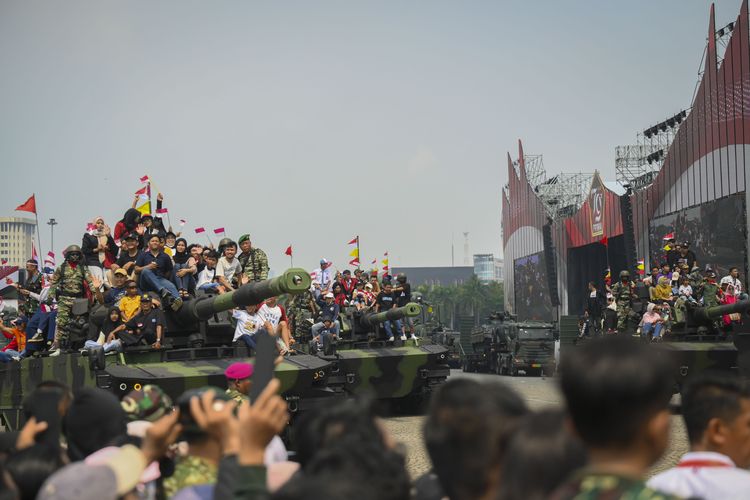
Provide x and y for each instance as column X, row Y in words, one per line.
column 310, row 122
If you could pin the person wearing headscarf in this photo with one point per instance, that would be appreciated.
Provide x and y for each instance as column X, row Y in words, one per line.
column 663, row 290
column 108, row 340
column 185, row 268
column 98, row 248
column 128, row 224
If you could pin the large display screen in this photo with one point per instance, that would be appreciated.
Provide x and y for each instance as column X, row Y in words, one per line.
column 715, row 231
column 531, row 288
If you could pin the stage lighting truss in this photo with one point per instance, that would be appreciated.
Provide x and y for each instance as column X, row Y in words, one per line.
column 561, row 195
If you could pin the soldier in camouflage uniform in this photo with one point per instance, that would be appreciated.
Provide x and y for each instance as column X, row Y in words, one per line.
column 148, row 403
column 33, row 285
column 301, row 307
column 623, row 292
column 253, row 260
column 710, row 290
column 238, row 379
column 67, row 285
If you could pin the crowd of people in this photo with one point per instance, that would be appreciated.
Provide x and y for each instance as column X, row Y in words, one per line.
column 142, row 268
column 482, row 439
column 659, row 301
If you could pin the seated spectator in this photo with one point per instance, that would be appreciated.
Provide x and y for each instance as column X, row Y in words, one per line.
column 665, row 272
column 228, row 268
column 117, row 291
column 41, row 326
column 275, row 314
column 466, row 433
column 155, row 268
column 540, row 456
column 370, row 296
column 207, row 279
column 130, row 304
column 653, row 278
column 185, row 268
column 629, row 385
column 358, row 296
column 686, row 256
column 663, row 290
column 339, row 297
column 328, row 307
column 108, row 340
column 651, row 322
column 716, row 410
column 375, row 284
column 196, row 252
column 384, row 302
column 17, row 335
column 348, row 284
column 148, row 324
column 128, row 255
column 249, row 322
column 170, row 240
column 733, row 278
column 323, row 333
column 686, row 291
column 729, row 298
column 99, row 249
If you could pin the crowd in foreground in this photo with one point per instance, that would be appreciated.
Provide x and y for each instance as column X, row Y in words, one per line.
column 483, row 441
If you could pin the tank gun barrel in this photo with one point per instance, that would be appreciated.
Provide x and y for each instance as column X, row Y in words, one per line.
column 710, row 313
column 408, row 311
column 294, row 281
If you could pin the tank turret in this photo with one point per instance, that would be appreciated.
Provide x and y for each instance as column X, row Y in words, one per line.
column 370, row 320
column 709, row 314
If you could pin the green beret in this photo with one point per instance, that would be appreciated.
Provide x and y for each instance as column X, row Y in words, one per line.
column 244, row 237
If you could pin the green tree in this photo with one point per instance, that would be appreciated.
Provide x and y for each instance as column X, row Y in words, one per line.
column 471, row 298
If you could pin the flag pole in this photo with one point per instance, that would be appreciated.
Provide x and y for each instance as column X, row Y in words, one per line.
column 359, row 255
column 38, row 238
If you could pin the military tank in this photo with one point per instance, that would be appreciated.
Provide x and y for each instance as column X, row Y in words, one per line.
column 363, row 362
column 175, row 370
column 700, row 344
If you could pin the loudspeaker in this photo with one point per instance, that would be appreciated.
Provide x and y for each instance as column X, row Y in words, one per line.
column 551, row 263
column 628, row 232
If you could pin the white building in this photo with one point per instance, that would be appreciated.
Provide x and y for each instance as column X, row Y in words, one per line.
column 16, row 235
column 487, row 267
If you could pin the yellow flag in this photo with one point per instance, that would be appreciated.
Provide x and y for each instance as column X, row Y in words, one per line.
column 145, row 208
column 385, row 262
column 354, row 253
column 667, row 248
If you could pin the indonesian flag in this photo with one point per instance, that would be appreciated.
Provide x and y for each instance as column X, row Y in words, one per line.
column 288, row 251
column 145, row 178
column 183, row 222
column 354, row 262
column 8, row 276
column 199, row 230
column 219, row 230
column 354, row 241
column 49, row 263
column 161, row 211
column 142, row 191
column 669, row 236
column 28, row 205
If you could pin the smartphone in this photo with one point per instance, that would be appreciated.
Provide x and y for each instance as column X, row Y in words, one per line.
column 265, row 357
column 45, row 407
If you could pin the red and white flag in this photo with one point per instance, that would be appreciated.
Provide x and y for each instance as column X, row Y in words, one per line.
column 145, row 178
column 183, row 222
column 219, row 230
column 161, row 211
column 49, row 263
column 669, row 236
column 199, row 230
column 8, row 276
column 354, row 241
column 288, row 251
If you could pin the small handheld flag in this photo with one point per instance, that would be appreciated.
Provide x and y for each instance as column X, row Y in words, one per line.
column 144, row 178
column 199, row 230
column 162, row 211
column 219, row 230
column 354, row 241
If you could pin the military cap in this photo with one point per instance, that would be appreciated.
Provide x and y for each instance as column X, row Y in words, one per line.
column 146, row 296
column 244, row 237
column 148, row 403
column 239, row 371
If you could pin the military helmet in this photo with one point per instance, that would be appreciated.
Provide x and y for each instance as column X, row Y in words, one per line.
column 624, row 274
column 73, row 253
column 401, row 278
column 224, row 242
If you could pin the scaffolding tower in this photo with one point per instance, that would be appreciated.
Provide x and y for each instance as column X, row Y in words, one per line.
column 561, row 195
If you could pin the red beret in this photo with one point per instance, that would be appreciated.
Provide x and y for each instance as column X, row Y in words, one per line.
column 238, row 371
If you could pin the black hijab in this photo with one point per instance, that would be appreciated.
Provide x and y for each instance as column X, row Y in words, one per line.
column 181, row 257
column 131, row 218
column 108, row 324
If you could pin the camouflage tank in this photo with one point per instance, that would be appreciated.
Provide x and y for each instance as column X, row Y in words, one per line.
column 699, row 344
column 174, row 370
column 364, row 363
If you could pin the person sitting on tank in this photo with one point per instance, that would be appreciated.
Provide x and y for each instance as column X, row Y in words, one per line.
column 339, row 296
column 117, row 290
column 402, row 292
column 148, row 325
column 358, row 297
column 130, row 304
column 663, row 290
column 228, row 269
column 729, row 298
column 652, row 322
column 249, row 322
column 348, row 284
column 155, row 268
column 107, row 339
column 733, row 278
column 328, row 307
column 385, row 301
column 327, row 331
column 275, row 314
column 17, row 336
column 208, row 282
column 185, row 269
column 716, row 411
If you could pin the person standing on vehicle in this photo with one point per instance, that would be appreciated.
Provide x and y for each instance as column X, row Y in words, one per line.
column 623, row 293
column 595, row 305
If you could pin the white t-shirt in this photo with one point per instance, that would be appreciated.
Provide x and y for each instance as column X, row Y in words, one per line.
column 205, row 276
column 247, row 324
column 271, row 314
column 685, row 290
column 228, row 269
column 706, row 475
column 729, row 280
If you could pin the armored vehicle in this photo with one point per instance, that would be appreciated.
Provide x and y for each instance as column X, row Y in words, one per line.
column 506, row 347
